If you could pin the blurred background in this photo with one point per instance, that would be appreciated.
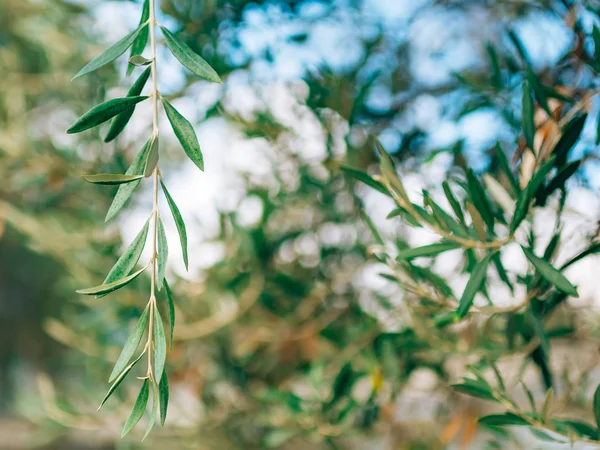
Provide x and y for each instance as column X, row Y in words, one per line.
column 286, row 335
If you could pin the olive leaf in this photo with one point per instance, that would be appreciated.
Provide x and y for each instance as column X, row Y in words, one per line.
column 178, row 222
column 139, row 408
column 128, row 260
column 185, row 133
column 139, row 44
column 140, row 61
column 110, row 178
column 131, row 345
column 119, row 379
column 119, row 123
column 111, row 287
column 426, row 251
column 366, row 179
column 190, row 59
column 126, row 190
column 527, row 115
column 103, row 112
column 550, row 274
column 160, row 345
column 111, row 54
column 171, row 310
column 163, row 252
column 155, row 403
column 474, row 284
column 163, row 390
column 152, row 160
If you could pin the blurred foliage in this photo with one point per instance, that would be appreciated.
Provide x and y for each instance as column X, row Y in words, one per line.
column 282, row 343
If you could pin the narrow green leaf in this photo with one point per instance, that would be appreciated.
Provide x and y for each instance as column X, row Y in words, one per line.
column 139, row 44
column 103, row 112
column 374, row 231
column 591, row 250
column 152, row 160
column 178, row 222
column 580, row 428
column 444, row 219
column 163, row 252
column 366, row 179
column 474, row 284
column 121, row 120
column 597, row 406
column 119, row 379
column 501, row 420
column 185, row 133
column 569, row 138
column 427, row 250
column 480, row 200
column 476, row 221
column 454, row 204
column 128, row 260
column 505, row 165
column 171, row 310
column 131, row 345
column 138, row 409
column 111, row 54
column 111, row 178
column 160, row 345
column 126, row 190
column 140, row 61
column 550, row 274
column 190, row 59
column 558, row 182
column 155, row 403
column 163, row 390
column 527, row 115
column 527, row 194
column 111, row 287
column 474, row 389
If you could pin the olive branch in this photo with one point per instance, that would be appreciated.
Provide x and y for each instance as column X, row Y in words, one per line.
column 144, row 165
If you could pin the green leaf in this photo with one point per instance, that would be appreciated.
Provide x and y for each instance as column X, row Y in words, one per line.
column 128, row 260
column 558, row 182
column 111, row 178
column 163, row 252
column 597, row 406
column 152, row 160
column 548, row 404
column 140, row 61
column 119, row 379
column 139, row 44
column 569, row 138
column 366, row 179
column 474, row 284
column 550, row 274
column 171, row 310
column 185, row 133
column 475, row 389
column 527, row 194
column 527, row 115
column 178, row 222
column 505, row 165
column 502, row 420
column 111, row 287
column 480, row 200
column 591, row 250
column 103, row 112
column 477, row 221
column 138, row 409
column 126, row 190
column 160, row 345
column 454, row 204
column 444, row 219
column 155, row 403
column 580, row 428
column 426, row 250
column 372, row 228
column 131, row 345
column 121, row 120
column 163, row 390
column 111, row 54
column 190, row 59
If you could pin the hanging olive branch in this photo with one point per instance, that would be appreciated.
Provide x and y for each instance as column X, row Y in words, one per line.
column 144, row 165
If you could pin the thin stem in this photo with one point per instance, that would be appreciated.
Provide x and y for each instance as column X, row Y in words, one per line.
column 154, row 259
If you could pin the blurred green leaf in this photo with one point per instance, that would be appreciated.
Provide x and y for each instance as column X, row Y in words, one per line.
column 527, row 115
column 365, row 178
column 475, row 283
column 426, row 250
column 550, row 274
